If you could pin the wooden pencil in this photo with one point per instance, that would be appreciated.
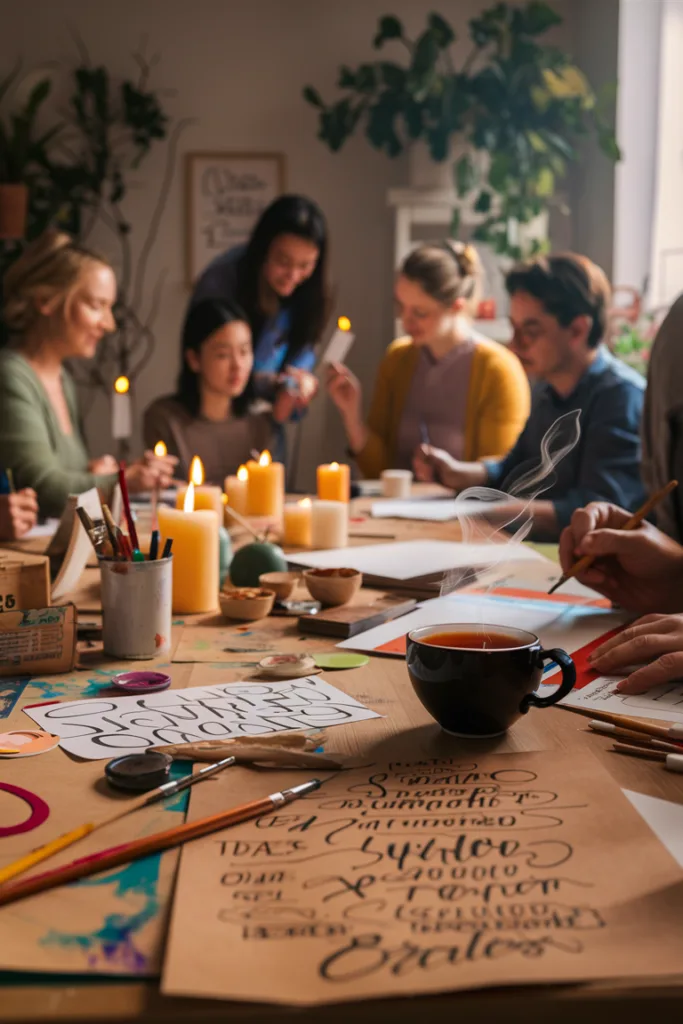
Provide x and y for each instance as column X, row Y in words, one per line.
column 639, row 739
column 160, row 841
column 630, row 524
column 666, row 732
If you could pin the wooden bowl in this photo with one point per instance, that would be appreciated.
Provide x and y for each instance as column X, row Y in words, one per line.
column 246, row 604
column 333, row 587
column 283, row 583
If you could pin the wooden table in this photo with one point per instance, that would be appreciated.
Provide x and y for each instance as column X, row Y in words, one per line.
column 383, row 685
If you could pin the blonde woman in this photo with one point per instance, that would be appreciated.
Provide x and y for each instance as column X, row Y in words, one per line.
column 58, row 300
column 443, row 384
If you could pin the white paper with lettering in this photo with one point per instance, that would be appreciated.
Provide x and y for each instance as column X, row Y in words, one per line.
column 104, row 728
column 664, row 702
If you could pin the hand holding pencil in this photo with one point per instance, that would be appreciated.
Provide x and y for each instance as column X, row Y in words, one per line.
column 639, row 568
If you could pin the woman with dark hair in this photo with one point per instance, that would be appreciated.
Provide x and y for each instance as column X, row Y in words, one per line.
column 209, row 414
column 279, row 279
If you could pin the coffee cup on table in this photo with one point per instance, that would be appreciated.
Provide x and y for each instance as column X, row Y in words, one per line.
column 477, row 680
column 397, row 483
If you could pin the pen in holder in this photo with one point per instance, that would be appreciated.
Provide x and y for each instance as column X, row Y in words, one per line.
column 136, row 608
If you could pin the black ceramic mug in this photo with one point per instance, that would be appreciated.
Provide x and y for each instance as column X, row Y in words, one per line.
column 477, row 680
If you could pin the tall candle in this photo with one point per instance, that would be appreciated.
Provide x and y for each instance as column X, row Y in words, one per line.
column 121, row 411
column 297, row 524
column 334, row 482
column 329, row 524
column 236, row 490
column 266, row 491
column 195, row 554
column 205, row 496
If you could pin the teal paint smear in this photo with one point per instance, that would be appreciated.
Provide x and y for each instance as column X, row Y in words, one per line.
column 113, row 943
column 48, row 690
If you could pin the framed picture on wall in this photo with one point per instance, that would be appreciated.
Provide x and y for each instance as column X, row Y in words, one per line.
column 225, row 194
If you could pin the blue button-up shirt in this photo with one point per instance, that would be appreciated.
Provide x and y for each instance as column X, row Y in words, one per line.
column 605, row 464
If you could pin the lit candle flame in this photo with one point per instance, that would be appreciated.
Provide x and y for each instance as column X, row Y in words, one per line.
column 305, row 503
column 265, row 459
column 334, row 466
column 160, row 449
column 243, row 473
column 224, row 499
column 188, row 504
column 196, row 471
column 343, row 323
column 121, row 385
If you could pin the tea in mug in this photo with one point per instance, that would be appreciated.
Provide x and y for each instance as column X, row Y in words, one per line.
column 474, row 640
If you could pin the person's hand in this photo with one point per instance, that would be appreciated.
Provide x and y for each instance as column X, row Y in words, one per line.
column 449, row 471
column 150, row 471
column 305, row 385
column 640, row 569
column 655, row 642
column 18, row 514
column 422, row 468
column 345, row 390
column 105, row 464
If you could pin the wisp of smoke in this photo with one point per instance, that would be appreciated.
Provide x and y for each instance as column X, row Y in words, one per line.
column 558, row 441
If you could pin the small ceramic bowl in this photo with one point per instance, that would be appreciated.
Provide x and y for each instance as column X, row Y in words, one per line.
column 283, row 583
column 333, row 587
column 246, row 604
column 288, row 666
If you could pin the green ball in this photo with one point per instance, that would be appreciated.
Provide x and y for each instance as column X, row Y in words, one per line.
column 251, row 561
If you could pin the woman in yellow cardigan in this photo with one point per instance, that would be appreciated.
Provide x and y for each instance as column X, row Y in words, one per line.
column 444, row 384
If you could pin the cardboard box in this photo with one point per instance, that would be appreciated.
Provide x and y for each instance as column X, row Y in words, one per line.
column 24, row 581
column 38, row 641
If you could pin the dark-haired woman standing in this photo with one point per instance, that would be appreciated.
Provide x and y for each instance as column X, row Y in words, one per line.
column 279, row 279
column 209, row 414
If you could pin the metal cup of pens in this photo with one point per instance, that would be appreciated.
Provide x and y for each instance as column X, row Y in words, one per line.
column 136, row 607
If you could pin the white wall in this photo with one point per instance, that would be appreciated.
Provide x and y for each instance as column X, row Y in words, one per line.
column 239, row 66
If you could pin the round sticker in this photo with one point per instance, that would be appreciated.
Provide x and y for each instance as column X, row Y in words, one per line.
column 340, row 660
column 26, row 742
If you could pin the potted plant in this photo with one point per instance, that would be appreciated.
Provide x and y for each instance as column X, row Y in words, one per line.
column 516, row 108
column 22, row 155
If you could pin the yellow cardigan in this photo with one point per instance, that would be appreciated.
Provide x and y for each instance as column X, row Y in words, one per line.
column 498, row 404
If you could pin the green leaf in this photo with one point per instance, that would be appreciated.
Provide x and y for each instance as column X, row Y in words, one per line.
column 483, row 203
column 425, row 55
column 464, row 175
column 499, row 172
column 312, row 96
column 536, row 18
column 366, row 78
column 39, row 94
column 545, row 182
column 347, row 79
column 455, row 223
column 441, row 30
column 389, row 28
column 393, row 76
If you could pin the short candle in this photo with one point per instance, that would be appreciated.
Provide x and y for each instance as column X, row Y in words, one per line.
column 237, row 490
column 330, row 524
column 205, row 496
column 334, row 482
column 266, row 491
column 297, row 524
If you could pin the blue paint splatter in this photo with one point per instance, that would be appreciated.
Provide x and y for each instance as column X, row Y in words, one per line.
column 49, row 690
column 113, row 943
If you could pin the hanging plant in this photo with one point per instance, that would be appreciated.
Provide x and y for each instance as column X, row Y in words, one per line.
column 519, row 104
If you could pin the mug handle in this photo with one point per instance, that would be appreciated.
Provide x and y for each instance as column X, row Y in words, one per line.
column 565, row 663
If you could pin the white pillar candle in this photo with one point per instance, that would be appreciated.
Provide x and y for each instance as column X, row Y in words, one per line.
column 329, row 524
column 121, row 410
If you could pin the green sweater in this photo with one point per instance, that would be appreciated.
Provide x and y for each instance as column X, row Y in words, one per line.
column 32, row 443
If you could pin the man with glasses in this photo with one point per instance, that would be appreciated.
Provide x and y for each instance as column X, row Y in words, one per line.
column 558, row 310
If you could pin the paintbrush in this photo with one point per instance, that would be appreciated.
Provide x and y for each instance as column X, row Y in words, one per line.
column 243, row 522
column 113, row 857
column 96, row 530
column 132, row 532
column 69, row 838
column 630, row 524
column 112, row 529
column 251, row 753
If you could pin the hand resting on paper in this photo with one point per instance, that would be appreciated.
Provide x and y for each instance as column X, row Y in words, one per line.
column 18, row 514
column 654, row 642
column 640, row 569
